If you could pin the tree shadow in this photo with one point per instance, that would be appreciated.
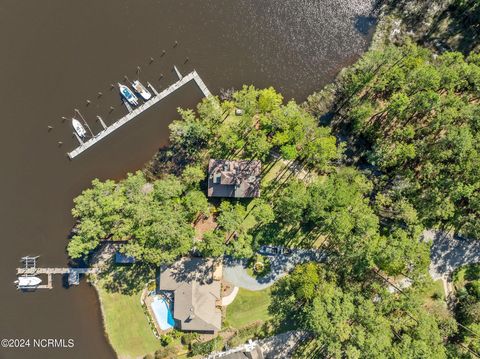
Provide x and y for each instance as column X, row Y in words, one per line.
column 473, row 272
column 190, row 269
column 127, row 279
column 454, row 27
column 365, row 24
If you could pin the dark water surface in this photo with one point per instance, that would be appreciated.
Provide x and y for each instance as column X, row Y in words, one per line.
column 56, row 54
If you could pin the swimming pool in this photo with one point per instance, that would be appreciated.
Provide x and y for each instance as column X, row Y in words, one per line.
column 163, row 314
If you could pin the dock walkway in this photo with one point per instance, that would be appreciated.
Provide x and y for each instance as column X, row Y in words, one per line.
column 73, row 274
column 138, row 110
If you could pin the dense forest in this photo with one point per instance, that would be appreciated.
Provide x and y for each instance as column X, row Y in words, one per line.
column 414, row 117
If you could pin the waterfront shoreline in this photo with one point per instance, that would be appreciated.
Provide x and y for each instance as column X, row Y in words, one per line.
column 94, row 285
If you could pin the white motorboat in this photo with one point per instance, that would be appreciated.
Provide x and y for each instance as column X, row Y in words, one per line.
column 25, row 282
column 128, row 95
column 141, row 90
column 79, row 129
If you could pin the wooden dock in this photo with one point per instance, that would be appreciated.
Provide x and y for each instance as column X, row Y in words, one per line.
column 143, row 107
column 73, row 274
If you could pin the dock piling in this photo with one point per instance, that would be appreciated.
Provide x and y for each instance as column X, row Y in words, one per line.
column 152, row 88
column 178, row 72
column 101, row 122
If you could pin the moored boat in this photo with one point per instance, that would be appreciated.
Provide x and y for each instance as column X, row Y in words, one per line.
column 79, row 129
column 25, row 282
column 141, row 90
column 128, row 95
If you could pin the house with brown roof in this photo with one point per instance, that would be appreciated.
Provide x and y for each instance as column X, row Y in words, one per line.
column 196, row 294
column 237, row 179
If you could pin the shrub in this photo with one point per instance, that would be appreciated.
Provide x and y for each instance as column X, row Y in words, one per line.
column 151, row 285
column 203, row 348
column 473, row 288
column 166, row 353
column 166, row 340
column 188, row 338
column 175, row 333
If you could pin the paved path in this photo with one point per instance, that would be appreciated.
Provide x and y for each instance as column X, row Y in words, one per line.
column 234, row 271
column 230, row 298
column 449, row 252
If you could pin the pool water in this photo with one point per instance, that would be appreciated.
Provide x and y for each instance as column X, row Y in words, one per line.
column 163, row 314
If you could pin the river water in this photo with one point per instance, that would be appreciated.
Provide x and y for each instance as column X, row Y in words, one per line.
column 57, row 54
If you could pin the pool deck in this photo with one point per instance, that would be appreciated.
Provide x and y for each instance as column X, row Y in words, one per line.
column 148, row 302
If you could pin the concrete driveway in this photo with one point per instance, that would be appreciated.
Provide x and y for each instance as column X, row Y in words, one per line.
column 235, row 271
column 449, row 252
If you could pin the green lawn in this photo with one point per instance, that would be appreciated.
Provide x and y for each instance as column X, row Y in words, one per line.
column 126, row 324
column 434, row 290
column 248, row 307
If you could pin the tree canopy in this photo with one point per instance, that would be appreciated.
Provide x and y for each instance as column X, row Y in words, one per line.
column 348, row 320
column 154, row 219
column 417, row 113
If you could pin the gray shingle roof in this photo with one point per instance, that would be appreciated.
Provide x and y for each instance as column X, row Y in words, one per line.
column 195, row 294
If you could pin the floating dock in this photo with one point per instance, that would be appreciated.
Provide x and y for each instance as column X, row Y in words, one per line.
column 138, row 110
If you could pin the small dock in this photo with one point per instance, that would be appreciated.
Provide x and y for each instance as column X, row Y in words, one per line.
column 134, row 112
column 31, row 269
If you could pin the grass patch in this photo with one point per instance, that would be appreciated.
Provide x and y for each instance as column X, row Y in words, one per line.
column 434, row 299
column 248, row 307
column 435, row 291
column 126, row 325
column 273, row 173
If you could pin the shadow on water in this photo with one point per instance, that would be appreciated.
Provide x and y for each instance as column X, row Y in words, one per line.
column 65, row 283
column 365, row 24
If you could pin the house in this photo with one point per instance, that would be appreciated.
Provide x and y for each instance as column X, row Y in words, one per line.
column 196, row 294
column 238, row 179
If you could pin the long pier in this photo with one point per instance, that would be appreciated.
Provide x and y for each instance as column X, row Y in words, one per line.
column 73, row 274
column 138, row 110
